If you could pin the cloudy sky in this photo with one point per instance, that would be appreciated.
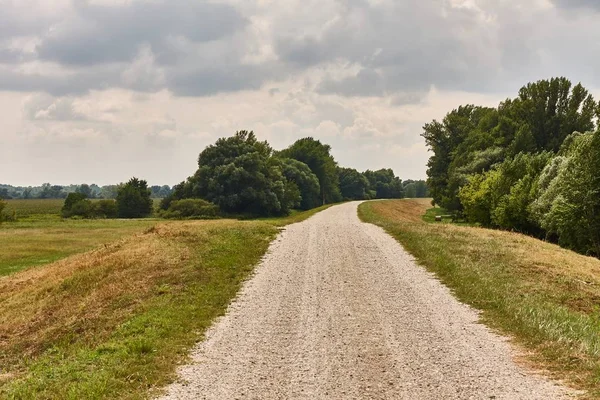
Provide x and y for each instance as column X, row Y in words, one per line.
column 97, row 91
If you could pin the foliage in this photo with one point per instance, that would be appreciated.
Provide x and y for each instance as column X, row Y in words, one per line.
column 569, row 201
column 242, row 175
column 305, row 180
column 385, row 184
column 353, row 184
column 191, row 209
column 70, row 201
column 415, row 189
column 519, row 167
column 106, row 208
column 77, row 205
column 239, row 175
column 320, row 161
column 133, row 199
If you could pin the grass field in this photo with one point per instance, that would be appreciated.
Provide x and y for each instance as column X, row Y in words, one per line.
column 38, row 209
column 33, row 243
column 115, row 322
column 27, row 208
column 545, row 297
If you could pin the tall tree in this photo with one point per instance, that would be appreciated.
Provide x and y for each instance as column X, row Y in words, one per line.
column 353, row 184
column 319, row 159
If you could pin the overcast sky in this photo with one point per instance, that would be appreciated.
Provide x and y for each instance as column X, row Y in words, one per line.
column 98, row 91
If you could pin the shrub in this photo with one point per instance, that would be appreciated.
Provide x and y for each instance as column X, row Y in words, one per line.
column 191, row 208
column 71, row 199
column 83, row 208
column 106, row 209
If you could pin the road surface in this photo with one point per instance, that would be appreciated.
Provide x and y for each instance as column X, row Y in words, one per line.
column 338, row 310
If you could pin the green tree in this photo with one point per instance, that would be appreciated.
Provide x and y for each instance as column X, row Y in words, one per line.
column 85, row 190
column 353, row 184
column 319, row 159
column 70, row 201
column 569, row 201
column 307, row 183
column 239, row 175
column 133, row 199
column 385, row 184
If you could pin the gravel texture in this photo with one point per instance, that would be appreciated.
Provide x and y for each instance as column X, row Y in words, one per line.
column 338, row 310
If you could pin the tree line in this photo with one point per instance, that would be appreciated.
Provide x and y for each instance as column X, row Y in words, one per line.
column 529, row 165
column 93, row 191
column 243, row 175
column 240, row 175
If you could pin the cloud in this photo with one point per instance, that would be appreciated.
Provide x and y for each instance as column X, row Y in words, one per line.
column 46, row 108
column 575, row 4
column 94, row 34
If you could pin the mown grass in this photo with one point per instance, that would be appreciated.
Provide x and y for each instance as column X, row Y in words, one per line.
column 115, row 322
column 545, row 297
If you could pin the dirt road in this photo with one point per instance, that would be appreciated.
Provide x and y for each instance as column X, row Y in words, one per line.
column 338, row 310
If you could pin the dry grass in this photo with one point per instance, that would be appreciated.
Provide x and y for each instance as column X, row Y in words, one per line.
column 37, row 242
column 114, row 322
column 544, row 296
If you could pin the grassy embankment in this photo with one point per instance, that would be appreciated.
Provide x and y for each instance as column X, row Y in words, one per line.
column 40, row 236
column 545, row 297
column 115, row 322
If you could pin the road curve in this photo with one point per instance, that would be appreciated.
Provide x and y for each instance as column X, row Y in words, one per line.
column 338, row 310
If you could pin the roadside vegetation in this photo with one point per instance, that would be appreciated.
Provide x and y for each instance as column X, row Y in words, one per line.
column 116, row 321
column 542, row 295
column 530, row 165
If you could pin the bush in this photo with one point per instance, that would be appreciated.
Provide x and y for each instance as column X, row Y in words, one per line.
column 106, row 209
column 83, row 208
column 190, row 209
column 71, row 199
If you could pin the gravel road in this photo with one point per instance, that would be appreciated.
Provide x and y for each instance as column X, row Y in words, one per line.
column 338, row 310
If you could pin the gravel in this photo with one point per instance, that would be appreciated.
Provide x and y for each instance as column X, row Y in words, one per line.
column 338, row 310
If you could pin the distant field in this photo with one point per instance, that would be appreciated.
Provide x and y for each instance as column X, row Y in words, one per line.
column 25, row 208
column 115, row 322
column 544, row 296
column 34, row 243
column 40, row 236
column 40, row 208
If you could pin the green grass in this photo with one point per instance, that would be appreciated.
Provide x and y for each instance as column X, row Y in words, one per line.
column 545, row 297
column 28, row 208
column 115, row 322
column 39, row 241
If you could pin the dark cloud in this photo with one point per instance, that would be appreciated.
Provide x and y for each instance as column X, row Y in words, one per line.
column 209, row 81
column 366, row 82
column 411, row 45
column 366, row 48
column 72, row 83
column 98, row 34
column 589, row 4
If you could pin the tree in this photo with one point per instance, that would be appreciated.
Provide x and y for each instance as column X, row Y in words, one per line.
column 320, row 161
column 133, row 199
column 385, row 183
column 239, row 175
column 353, row 184
column 70, row 201
column 85, row 190
column 307, row 183
column 569, row 202
column 109, row 191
